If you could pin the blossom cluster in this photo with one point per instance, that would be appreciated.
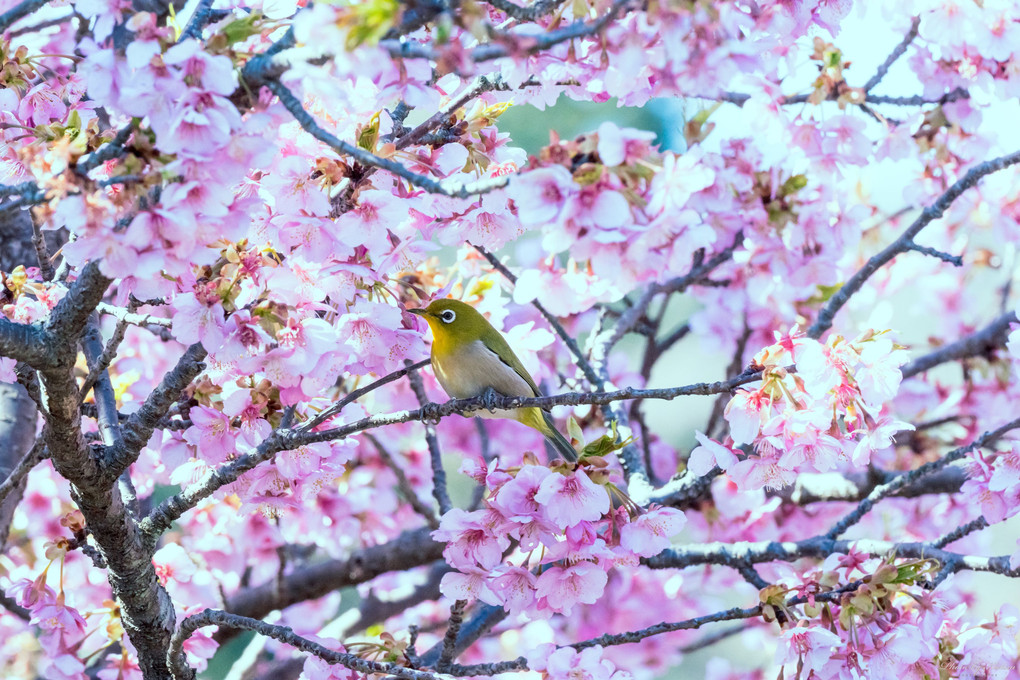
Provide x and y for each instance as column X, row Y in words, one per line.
column 887, row 624
column 563, row 525
column 818, row 407
column 162, row 155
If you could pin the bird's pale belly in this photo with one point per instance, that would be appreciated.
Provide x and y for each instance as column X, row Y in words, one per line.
column 474, row 369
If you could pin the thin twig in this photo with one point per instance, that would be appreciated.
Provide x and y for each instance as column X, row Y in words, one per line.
column 402, row 49
column 34, row 456
column 305, row 119
column 897, row 52
column 403, row 484
column 978, row 343
column 554, row 323
column 697, row 622
column 359, row 393
column 439, row 490
column 961, row 531
column 450, row 639
column 104, row 360
column 212, row 617
column 886, row 490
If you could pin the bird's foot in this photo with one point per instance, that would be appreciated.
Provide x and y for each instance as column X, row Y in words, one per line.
column 489, row 397
column 430, row 413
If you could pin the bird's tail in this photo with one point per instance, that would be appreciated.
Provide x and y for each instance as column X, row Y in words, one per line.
column 558, row 441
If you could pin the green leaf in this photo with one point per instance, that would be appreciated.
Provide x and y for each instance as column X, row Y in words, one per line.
column 370, row 21
column 793, row 185
column 605, row 444
column 240, row 30
column 369, row 135
column 823, row 295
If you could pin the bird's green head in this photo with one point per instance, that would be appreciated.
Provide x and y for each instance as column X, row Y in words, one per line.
column 452, row 322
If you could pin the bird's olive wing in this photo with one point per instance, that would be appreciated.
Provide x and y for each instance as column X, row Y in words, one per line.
column 495, row 342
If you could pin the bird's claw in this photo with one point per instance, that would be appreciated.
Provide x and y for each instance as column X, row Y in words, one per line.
column 489, row 397
column 430, row 413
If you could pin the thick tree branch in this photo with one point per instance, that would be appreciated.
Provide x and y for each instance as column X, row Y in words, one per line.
column 67, row 320
column 410, row 549
column 20, row 451
column 906, row 239
column 24, row 342
column 146, row 610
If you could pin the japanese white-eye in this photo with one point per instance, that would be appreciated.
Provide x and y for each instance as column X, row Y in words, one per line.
column 469, row 357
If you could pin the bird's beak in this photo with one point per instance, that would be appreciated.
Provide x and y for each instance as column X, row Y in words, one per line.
column 420, row 311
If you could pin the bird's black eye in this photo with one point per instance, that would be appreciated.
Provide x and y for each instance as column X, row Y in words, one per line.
column 448, row 316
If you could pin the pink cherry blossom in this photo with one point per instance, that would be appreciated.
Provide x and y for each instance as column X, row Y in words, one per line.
column 710, row 454
column 540, row 195
column 651, row 532
column 565, row 587
column 573, row 498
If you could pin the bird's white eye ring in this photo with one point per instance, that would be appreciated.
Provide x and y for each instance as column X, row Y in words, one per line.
column 448, row 316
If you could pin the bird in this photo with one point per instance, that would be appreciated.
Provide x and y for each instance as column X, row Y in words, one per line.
column 470, row 358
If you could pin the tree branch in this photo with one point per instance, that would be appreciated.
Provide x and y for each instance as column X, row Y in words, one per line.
column 439, row 490
column 536, row 11
column 450, row 639
column 410, row 549
column 142, row 422
column 887, row 489
column 67, row 320
column 906, row 239
column 98, row 358
column 8, row 18
column 526, row 45
column 979, row 343
column 305, row 119
column 359, row 393
column 897, row 52
column 35, row 455
column 403, row 483
column 281, row 440
column 554, row 323
column 27, row 343
column 212, row 617
column 201, row 16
